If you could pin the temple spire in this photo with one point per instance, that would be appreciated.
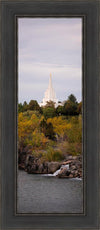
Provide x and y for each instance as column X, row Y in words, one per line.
column 49, row 94
column 50, row 81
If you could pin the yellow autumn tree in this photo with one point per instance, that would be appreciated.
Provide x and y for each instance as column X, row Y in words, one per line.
column 61, row 126
column 29, row 131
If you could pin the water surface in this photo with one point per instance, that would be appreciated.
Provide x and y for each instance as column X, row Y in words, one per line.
column 47, row 194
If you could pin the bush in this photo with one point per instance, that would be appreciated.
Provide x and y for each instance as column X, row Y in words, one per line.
column 49, row 112
column 74, row 148
column 54, row 155
column 74, row 134
column 47, row 129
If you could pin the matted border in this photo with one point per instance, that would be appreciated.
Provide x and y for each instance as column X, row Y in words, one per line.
column 10, row 9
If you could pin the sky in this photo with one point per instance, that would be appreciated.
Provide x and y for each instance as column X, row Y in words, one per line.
column 49, row 45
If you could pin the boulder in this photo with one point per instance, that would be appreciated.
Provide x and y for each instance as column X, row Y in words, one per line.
column 21, row 160
column 64, row 172
column 73, row 172
column 65, row 167
column 75, row 157
column 32, row 168
column 21, row 166
column 40, row 168
column 73, row 167
column 70, row 157
column 71, row 175
column 53, row 166
column 66, row 162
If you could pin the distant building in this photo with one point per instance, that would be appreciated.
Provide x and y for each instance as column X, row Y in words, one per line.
column 50, row 95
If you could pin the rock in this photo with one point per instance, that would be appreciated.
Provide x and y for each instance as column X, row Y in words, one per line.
column 73, row 167
column 21, row 166
column 28, row 150
column 74, row 157
column 65, row 167
column 45, row 167
column 76, row 173
column 70, row 157
column 71, row 175
column 40, row 169
column 31, row 165
column 72, row 172
column 64, row 172
column 66, row 162
column 69, row 168
column 32, row 168
column 80, row 174
column 53, row 166
column 79, row 158
column 79, row 165
column 30, row 159
column 45, row 171
column 21, row 160
column 67, row 172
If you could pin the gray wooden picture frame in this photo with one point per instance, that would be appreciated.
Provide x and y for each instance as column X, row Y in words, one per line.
column 88, row 10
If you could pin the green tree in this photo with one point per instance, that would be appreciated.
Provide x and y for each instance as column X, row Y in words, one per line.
column 59, row 110
column 70, row 108
column 50, row 131
column 33, row 105
column 72, row 98
column 47, row 129
column 43, row 126
column 20, row 108
column 48, row 112
column 79, row 108
column 25, row 106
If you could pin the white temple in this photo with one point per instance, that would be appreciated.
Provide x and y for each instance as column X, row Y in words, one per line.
column 49, row 95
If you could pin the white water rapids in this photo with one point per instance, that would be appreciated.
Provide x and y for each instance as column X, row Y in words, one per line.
column 57, row 172
column 62, row 167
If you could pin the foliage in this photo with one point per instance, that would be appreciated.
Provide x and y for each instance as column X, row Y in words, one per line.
column 25, row 106
column 20, row 108
column 28, row 131
column 59, row 110
column 74, row 148
column 50, row 104
column 53, row 133
column 79, row 108
column 70, row 108
column 54, row 155
column 72, row 98
column 47, row 129
column 75, row 133
column 61, row 126
column 49, row 155
column 49, row 112
column 33, row 105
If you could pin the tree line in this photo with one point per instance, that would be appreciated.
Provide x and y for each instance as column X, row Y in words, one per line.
column 70, row 108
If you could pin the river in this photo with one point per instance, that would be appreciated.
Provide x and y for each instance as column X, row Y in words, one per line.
column 47, row 194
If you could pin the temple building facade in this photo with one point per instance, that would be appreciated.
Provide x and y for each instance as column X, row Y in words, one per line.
column 49, row 94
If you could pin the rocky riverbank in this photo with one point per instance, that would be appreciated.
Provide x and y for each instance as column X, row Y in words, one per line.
column 71, row 167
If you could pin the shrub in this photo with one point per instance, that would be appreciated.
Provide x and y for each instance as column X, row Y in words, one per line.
column 47, row 129
column 48, row 112
column 74, row 148
column 54, row 155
